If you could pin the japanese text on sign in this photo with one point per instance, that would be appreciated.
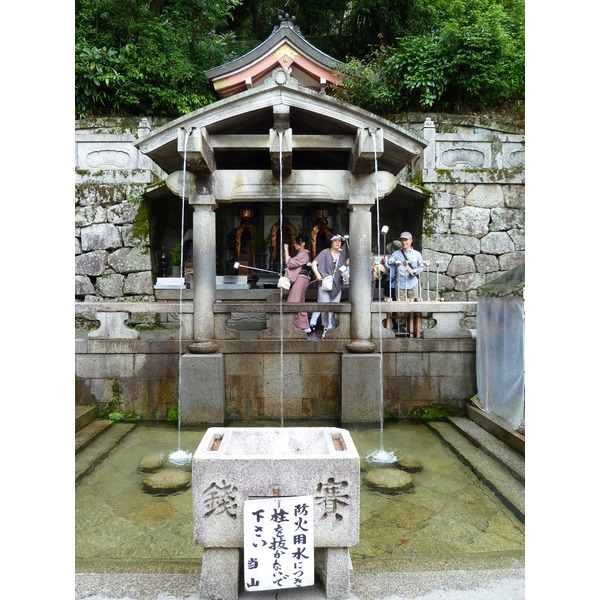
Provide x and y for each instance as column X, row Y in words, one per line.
column 278, row 543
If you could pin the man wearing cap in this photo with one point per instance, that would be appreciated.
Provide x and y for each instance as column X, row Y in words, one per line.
column 405, row 276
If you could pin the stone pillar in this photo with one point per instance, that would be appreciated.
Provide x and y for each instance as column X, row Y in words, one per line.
column 205, row 287
column 360, row 268
column 429, row 151
column 202, row 395
column 361, row 384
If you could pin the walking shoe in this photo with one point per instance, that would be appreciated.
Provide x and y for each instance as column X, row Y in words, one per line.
column 309, row 330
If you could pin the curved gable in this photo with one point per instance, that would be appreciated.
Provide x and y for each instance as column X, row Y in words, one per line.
column 321, row 126
column 286, row 48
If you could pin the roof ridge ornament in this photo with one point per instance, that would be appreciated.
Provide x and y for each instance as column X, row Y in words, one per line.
column 287, row 21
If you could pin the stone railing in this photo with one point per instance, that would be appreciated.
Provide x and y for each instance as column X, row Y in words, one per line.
column 278, row 317
column 490, row 157
column 113, row 317
column 446, row 317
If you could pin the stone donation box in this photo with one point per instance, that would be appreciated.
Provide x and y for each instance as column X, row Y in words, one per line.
column 233, row 468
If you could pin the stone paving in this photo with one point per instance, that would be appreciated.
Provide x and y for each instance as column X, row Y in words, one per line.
column 504, row 584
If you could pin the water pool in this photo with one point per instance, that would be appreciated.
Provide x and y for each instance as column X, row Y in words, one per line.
column 448, row 520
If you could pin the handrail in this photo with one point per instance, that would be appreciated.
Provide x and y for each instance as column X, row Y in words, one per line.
column 137, row 307
column 423, row 306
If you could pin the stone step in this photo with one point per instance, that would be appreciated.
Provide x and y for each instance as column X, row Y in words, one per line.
column 500, row 480
column 86, row 435
column 511, row 459
column 100, row 448
column 84, row 415
column 498, row 427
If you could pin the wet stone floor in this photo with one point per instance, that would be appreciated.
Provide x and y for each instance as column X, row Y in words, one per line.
column 448, row 520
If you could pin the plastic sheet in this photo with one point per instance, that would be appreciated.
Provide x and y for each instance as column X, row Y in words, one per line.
column 500, row 357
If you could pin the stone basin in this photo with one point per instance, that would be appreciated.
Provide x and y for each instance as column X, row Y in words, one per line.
column 232, row 465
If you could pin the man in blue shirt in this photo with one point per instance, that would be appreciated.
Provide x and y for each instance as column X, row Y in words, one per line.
column 405, row 279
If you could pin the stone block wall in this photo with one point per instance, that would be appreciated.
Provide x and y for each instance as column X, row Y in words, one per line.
column 429, row 373
column 476, row 231
column 474, row 217
column 112, row 230
column 312, row 385
column 142, row 376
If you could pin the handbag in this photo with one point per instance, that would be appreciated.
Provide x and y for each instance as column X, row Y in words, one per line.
column 284, row 282
column 327, row 283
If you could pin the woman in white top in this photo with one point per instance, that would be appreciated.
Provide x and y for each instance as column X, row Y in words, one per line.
column 328, row 262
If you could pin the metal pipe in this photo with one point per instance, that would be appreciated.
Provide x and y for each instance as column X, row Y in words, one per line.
column 236, row 266
column 384, row 230
column 426, row 264
column 437, row 279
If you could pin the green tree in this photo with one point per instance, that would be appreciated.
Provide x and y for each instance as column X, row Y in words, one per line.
column 135, row 57
column 469, row 55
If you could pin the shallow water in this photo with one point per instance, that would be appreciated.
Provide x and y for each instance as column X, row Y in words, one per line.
column 449, row 519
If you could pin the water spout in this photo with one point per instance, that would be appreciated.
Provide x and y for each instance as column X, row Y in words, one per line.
column 280, row 133
column 181, row 456
column 380, row 456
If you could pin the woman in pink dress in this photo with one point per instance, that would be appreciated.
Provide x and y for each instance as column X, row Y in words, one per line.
column 298, row 273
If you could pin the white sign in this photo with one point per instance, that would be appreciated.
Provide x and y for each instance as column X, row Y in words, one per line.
column 279, row 543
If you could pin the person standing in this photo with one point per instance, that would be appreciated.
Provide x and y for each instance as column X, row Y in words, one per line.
column 298, row 274
column 405, row 278
column 328, row 263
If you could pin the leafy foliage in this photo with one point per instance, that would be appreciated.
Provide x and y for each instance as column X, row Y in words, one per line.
column 471, row 56
column 135, row 57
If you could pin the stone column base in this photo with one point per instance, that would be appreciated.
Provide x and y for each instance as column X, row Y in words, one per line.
column 360, row 388
column 220, row 574
column 202, row 394
column 333, row 566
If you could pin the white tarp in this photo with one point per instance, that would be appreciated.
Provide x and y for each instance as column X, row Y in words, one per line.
column 500, row 352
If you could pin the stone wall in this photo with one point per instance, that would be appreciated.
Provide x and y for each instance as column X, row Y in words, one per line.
column 474, row 218
column 142, row 375
column 476, row 232
column 112, row 232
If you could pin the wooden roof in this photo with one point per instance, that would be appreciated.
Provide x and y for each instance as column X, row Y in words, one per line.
column 285, row 48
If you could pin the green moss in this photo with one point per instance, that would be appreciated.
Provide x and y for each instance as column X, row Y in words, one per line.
column 392, row 416
column 130, row 417
column 141, row 224
column 114, row 406
column 173, row 414
column 429, row 215
column 418, row 178
column 431, row 412
column 155, row 326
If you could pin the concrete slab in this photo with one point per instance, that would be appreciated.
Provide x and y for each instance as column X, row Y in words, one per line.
column 492, row 584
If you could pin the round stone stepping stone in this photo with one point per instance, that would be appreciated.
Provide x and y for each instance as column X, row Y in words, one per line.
column 410, row 464
column 388, row 481
column 167, row 481
column 151, row 462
